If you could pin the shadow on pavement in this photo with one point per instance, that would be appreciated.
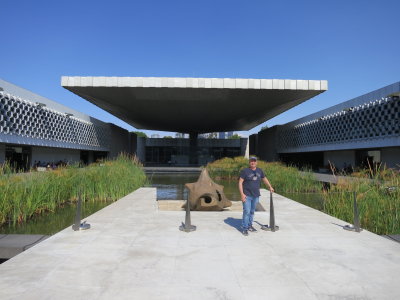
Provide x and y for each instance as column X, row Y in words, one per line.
column 337, row 224
column 261, row 225
column 235, row 223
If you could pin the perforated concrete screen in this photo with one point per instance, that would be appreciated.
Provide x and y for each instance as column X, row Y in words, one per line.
column 32, row 120
column 369, row 121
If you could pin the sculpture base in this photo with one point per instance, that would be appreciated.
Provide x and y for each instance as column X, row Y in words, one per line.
column 177, row 205
column 352, row 228
column 267, row 228
column 187, row 228
column 83, row 226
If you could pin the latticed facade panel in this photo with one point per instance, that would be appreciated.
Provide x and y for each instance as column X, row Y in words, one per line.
column 372, row 120
column 33, row 120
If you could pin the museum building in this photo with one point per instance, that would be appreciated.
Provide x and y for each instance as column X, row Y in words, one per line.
column 358, row 131
column 364, row 131
column 34, row 129
column 193, row 106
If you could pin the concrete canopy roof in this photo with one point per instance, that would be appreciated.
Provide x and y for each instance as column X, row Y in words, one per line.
column 193, row 104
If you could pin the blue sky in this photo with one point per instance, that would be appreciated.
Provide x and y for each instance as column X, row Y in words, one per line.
column 354, row 45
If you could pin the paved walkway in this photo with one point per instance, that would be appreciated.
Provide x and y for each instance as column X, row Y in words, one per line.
column 335, row 178
column 134, row 251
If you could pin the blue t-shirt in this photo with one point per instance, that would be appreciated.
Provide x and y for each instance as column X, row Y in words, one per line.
column 252, row 180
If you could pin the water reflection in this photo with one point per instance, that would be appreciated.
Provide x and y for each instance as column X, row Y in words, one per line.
column 313, row 200
column 52, row 222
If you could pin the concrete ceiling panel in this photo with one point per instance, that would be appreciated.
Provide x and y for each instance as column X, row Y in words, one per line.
column 193, row 104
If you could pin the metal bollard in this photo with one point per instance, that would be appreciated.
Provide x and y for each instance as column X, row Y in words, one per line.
column 77, row 224
column 356, row 227
column 272, row 227
column 187, row 226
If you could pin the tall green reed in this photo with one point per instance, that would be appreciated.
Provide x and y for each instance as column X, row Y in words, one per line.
column 378, row 202
column 24, row 195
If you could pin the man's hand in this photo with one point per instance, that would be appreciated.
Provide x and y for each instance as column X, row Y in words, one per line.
column 243, row 197
column 268, row 184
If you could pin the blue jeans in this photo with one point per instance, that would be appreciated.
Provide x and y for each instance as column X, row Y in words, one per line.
column 249, row 207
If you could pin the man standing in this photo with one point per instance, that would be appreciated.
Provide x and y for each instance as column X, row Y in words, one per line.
column 249, row 187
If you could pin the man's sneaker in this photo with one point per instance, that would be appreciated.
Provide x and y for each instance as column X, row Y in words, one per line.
column 245, row 232
column 252, row 229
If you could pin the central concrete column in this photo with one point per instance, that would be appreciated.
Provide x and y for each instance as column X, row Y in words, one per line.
column 193, row 159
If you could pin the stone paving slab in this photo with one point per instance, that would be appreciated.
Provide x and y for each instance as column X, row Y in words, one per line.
column 135, row 251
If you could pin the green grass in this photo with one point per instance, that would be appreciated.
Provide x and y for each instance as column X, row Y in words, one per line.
column 28, row 194
column 378, row 199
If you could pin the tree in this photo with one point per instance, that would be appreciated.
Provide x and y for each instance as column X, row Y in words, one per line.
column 212, row 135
column 234, row 137
column 140, row 134
column 168, row 137
column 264, row 127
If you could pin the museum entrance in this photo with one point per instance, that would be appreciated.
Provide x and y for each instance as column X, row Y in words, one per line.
column 99, row 155
column 308, row 160
column 18, row 157
column 84, row 157
column 180, row 155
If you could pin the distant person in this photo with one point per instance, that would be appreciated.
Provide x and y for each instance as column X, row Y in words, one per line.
column 249, row 187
